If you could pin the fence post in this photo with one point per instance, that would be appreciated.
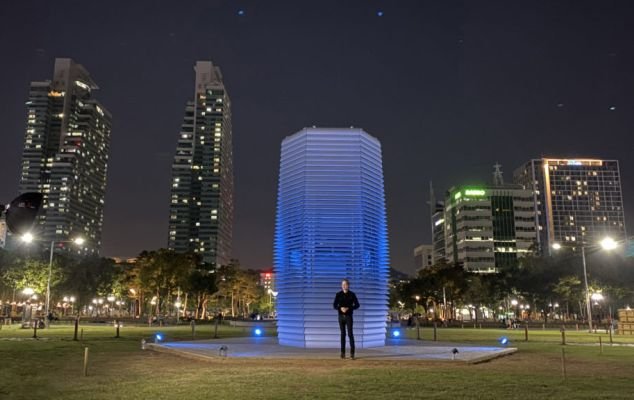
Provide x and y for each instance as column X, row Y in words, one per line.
column 76, row 328
column 600, row 345
column 85, row 361
column 563, row 362
column 417, row 328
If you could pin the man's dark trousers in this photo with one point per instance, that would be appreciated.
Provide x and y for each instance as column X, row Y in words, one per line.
column 346, row 321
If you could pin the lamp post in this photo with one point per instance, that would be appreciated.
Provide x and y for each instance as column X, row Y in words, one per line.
column 28, row 238
column 597, row 297
column 606, row 244
column 111, row 299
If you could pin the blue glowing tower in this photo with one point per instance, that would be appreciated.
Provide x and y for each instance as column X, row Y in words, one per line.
column 330, row 225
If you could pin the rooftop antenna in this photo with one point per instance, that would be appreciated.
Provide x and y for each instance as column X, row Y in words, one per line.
column 498, row 180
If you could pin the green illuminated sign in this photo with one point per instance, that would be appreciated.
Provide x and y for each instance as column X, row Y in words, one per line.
column 474, row 192
column 457, row 195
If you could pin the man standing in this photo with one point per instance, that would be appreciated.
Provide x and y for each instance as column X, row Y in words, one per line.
column 345, row 302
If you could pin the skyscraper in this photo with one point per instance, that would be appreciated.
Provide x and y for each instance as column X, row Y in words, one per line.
column 437, row 214
column 65, row 155
column 201, row 207
column 330, row 224
column 576, row 200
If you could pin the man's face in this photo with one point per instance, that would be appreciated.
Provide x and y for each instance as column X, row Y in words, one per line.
column 344, row 286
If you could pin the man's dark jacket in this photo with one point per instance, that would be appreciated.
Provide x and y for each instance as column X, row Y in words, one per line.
column 346, row 300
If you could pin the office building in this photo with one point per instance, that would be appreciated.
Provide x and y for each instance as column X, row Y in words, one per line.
column 489, row 227
column 423, row 256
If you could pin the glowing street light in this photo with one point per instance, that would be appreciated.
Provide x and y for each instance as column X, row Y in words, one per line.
column 606, row 244
column 28, row 291
column 609, row 244
column 597, row 296
column 28, row 238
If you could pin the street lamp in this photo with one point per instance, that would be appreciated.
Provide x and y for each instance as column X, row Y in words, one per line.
column 111, row 299
column 28, row 238
column 606, row 244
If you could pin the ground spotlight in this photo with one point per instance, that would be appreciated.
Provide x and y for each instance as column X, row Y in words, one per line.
column 503, row 340
column 396, row 334
column 158, row 337
column 258, row 332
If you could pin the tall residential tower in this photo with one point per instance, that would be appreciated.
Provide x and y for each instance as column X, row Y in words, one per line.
column 201, row 208
column 65, row 155
column 576, row 200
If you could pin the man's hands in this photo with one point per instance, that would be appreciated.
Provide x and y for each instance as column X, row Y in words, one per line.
column 344, row 309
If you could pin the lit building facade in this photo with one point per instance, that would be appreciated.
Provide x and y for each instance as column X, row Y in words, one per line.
column 330, row 224
column 576, row 200
column 267, row 279
column 487, row 228
column 201, row 203
column 438, row 233
column 65, row 156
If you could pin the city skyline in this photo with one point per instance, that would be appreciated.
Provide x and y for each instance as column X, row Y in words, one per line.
column 440, row 85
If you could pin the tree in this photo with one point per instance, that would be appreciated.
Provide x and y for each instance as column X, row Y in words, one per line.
column 202, row 284
column 569, row 290
column 161, row 272
column 31, row 273
column 89, row 277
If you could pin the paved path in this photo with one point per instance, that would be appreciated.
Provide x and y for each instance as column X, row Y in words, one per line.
column 268, row 348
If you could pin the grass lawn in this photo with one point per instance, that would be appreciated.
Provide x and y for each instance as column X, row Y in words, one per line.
column 51, row 368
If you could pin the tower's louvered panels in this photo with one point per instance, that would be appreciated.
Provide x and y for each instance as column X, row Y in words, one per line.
column 330, row 225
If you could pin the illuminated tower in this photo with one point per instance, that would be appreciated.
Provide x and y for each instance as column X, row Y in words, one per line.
column 331, row 224
column 65, row 155
column 577, row 200
column 201, row 203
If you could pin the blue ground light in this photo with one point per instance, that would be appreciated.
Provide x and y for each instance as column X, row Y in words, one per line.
column 396, row 334
column 503, row 340
column 258, row 332
column 158, row 337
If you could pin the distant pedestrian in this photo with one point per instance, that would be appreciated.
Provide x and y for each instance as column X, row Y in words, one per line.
column 345, row 303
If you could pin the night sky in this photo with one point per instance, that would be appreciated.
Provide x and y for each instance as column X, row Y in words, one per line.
column 449, row 87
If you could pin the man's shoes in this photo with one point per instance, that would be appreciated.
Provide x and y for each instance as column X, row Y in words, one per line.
column 343, row 355
column 352, row 356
